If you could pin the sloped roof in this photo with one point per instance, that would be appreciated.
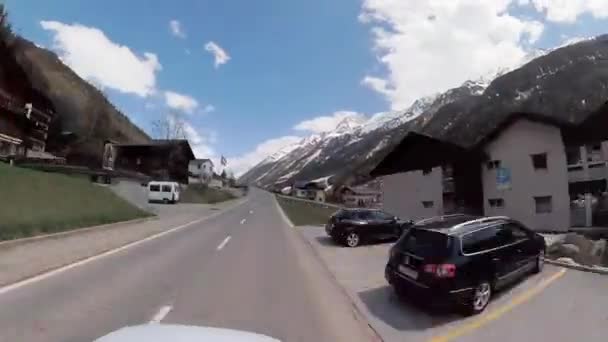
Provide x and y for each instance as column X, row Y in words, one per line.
column 567, row 88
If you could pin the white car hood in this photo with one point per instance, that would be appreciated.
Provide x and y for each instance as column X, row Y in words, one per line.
column 181, row 333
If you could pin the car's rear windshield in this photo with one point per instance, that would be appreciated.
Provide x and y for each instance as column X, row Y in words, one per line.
column 425, row 243
column 348, row 214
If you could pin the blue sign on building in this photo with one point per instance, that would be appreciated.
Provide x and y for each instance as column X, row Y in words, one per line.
column 503, row 178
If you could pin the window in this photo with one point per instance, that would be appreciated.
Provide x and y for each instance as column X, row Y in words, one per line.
column 383, row 216
column 516, row 231
column 544, row 204
column 167, row 188
column 364, row 215
column 496, row 202
column 493, row 164
column 594, row 153
column 425, row 243
column 155, row 188
column 199, row 166
column 428, row 204
column 539, row 161
column 427, row 171
column 481, row 240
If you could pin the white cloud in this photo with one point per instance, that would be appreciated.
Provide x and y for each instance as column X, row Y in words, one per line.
column 327, row 123
column 431, row 46
column 176, row 29
column 93, row 56
column 241, row 164
column 568, row 11
column 181, row 102
column 220, row 55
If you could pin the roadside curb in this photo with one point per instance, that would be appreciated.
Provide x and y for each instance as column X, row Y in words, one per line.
column 282, row 212
column 577, row 267
column 18, row 242
column 359, row 316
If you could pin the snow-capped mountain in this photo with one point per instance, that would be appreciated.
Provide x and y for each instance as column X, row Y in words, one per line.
column 341, row 151
column 355, row 146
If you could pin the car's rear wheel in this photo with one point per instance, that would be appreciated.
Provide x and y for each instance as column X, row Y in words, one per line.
column 540, row 262
column 352, row 239
column 481, row 298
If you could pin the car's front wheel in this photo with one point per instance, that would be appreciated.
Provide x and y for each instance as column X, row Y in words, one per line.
column 481, row 298
column 352, row 239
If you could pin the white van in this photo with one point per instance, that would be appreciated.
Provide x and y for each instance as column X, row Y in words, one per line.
column 166, row 192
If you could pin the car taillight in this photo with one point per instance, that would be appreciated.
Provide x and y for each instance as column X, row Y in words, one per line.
column 441, row 270
column 392, row 253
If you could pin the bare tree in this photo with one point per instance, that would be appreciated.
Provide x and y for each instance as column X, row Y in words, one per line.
column 171, row 126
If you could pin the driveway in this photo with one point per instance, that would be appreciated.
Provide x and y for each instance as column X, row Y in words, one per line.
column 556, row 305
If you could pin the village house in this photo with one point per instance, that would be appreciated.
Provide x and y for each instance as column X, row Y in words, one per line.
column 216, row 181
column 24, row 126
column 588, row 180
column 165, row 160
column 518, row 169
column 310, row 190
column 200, row 171
column 359, row 196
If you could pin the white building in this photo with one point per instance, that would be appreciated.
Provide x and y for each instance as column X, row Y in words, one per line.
column 518, row 170
column 200, row 171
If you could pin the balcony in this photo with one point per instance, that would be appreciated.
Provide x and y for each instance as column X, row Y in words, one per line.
column 597, row 171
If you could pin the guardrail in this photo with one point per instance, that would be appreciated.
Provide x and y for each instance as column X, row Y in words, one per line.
column 315, row 203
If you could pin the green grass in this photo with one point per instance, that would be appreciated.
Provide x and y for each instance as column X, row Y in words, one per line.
column 35, row 202
column 203, row 194
column 305, row 214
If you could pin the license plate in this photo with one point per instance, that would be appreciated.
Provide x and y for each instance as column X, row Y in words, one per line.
column 408, row 272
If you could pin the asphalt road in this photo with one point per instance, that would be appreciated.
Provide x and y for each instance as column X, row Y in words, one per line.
column 556, row 305
column 242, row 269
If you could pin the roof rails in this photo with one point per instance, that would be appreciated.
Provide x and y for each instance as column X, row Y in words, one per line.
column 437, row 218
column 481, row 220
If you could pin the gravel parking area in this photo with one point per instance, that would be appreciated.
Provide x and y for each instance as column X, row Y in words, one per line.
column 528, row 305
column 21, row 261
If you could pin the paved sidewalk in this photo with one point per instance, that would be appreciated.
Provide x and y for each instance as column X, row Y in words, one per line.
column 29, row 259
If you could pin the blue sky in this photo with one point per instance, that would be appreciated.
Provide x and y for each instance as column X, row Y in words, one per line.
column 286, row 69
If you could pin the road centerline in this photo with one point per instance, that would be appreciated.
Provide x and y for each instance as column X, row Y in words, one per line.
column 223, row 244
column 161, row 314
column 484, row 319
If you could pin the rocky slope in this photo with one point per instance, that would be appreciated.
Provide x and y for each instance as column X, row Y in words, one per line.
column 564, row 82
column 85, row 118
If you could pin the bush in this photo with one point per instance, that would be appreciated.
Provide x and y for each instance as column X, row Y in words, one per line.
column 204, row 194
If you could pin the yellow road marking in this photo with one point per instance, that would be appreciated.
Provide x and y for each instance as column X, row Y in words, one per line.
column 491, row 316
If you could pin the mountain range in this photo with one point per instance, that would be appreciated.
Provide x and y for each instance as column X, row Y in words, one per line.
column 562, row 82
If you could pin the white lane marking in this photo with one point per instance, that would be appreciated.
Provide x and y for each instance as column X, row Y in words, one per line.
column 219, row 248
column 62, row 269
column 243, row 221
column 161, row 314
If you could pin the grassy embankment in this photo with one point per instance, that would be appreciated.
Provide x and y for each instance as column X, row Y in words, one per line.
column 34, row 202
column 304, row 213
column 203, row 194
